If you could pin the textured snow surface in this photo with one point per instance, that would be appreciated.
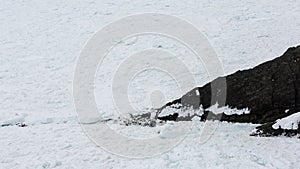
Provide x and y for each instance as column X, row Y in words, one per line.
column 66, row 146
column 41, row 41
column 291, row 122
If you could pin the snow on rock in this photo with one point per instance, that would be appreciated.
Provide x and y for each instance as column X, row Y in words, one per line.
column 227, row 110
column 291, row 122
column 254, row 89
column 186, row 112
column 17, row 119
column 197, row 93
column 196, row 119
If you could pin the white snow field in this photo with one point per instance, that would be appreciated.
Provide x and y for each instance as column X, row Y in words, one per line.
column 42, row 40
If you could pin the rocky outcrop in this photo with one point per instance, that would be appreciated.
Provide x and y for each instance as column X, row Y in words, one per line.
column 288, row 126
column 266, row 130
column 268, row 90
column 171, row 117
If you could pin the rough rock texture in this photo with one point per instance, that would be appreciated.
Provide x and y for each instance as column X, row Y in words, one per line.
column 268, row 90
column 266, row 130
column 171, row 117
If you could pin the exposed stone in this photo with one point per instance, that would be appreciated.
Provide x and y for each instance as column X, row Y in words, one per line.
column 267, row 90
column 171, row 117
column 266, row 130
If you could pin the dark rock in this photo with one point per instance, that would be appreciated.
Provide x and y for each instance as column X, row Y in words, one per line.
column 22, row 124
column 152, row 123
column 266, row 130
column 171, row 117
column 267, row 90
column 144, row 120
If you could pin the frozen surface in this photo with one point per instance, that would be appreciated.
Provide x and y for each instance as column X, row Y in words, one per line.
column 41, row 41
column 291, row 122
column 66, row 146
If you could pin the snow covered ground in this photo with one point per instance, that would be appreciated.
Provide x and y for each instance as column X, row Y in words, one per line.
column 41, row 41
column 66, row 146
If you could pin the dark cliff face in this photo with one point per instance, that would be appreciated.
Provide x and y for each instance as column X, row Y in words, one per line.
column 268, row 90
